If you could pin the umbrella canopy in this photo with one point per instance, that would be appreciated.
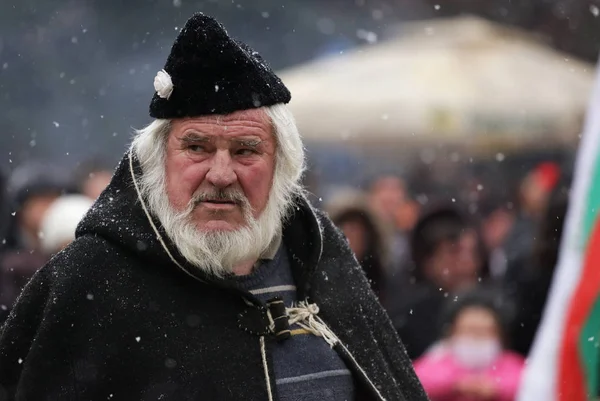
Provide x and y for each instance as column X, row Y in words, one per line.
column 456, row 80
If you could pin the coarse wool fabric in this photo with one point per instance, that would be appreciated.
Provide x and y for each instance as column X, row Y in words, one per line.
column 213, row 73
column 113, row 318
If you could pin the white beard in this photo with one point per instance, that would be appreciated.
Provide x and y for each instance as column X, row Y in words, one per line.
column 215, row 252
column 219, row 252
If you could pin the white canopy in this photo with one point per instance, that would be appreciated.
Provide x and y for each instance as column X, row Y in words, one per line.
column 458, row 80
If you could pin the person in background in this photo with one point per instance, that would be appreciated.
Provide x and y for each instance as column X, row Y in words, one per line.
column 390, row 202
column 532, row 290
column 32, row 188
column 387, row 193
column 366, row 236
column 497, row 219
column 407, row 215
column 92, row 178
column 471, row 362
column 534, row 193
column 447, row 250
column 61, row 220
column 4, row 213
column 448, row 257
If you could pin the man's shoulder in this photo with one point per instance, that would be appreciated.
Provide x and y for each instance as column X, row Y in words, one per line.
column 337, row 260
column 88, row 248
column 330, row 234
column 87, row 257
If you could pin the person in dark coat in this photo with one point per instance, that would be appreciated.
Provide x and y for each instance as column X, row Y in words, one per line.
column 31, row 190
column 448, row 257
column 202, row 272
column 538, row 270
column 4, row 213
column 535, row 192
column 366, row 236
column 92, row 177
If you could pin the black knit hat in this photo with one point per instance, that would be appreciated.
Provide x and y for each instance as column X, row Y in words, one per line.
column 208, row 72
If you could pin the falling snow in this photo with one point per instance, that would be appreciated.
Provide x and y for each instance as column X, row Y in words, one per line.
column 594, row 10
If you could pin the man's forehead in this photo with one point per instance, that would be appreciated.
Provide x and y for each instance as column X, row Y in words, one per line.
column 255, row 119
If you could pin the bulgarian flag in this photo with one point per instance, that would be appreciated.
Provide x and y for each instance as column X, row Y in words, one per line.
column 564, row 364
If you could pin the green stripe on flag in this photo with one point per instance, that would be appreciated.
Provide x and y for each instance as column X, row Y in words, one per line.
column 589, row 342
column 589, row 338
column 592, row 204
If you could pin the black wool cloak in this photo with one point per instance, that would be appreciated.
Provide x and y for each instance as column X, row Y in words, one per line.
column 114, row 318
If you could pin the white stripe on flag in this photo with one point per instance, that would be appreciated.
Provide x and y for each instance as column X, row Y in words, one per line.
column 540, row 378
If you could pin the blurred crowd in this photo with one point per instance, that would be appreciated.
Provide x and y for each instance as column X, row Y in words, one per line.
column 464, row 286
column 464, row 279
column 41, row 205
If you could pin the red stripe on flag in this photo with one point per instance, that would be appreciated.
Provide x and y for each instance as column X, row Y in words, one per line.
column 571, row 379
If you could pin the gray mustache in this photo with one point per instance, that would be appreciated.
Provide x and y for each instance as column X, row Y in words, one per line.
column 227, row 195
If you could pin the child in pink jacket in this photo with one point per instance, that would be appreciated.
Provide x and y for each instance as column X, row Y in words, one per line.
column 470, row 362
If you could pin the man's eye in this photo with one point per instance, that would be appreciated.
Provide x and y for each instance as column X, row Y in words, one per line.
column 196, row 148
column 246, row 152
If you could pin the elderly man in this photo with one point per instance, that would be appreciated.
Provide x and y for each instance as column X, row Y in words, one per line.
column 202, row 273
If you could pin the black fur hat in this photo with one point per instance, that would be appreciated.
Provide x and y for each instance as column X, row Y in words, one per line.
column 208, row 72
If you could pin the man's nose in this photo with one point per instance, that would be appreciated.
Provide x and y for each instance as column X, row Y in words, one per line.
column 221, row 173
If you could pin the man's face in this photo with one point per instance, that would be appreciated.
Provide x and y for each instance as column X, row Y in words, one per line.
column 96, row 183
column 455, row 265
column 210, row 159
column 355, row 232
column 534, row 196
column 387, row 195
column 33, row 212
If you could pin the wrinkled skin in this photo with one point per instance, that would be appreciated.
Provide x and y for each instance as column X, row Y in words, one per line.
column 210, row 153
